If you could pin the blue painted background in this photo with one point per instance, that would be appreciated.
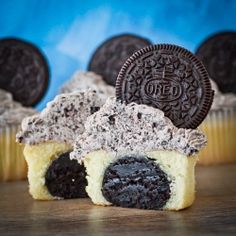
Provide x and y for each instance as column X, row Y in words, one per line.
column 68, row 31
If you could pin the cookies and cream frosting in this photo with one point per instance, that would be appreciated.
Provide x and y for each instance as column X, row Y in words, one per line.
column 62, row 120
column 82, row 81
column 222, row 101
column 11, row 112
column 133, row 128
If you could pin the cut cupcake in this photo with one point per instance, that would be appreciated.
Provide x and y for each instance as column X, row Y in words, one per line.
column 48, row 139
column 135, row 157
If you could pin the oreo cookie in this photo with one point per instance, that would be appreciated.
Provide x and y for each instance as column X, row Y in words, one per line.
column 218, row 54
column 23, row 71
column 136, row 182
column 169, row 78
column 109, row 57
column 66, row 178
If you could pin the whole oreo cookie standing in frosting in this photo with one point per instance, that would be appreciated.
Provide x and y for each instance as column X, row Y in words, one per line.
column 109, row 57
column 218, row 54
column 170, row 78
column 23, row 71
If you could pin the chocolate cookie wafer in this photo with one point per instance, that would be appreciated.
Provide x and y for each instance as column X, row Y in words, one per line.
column 23, row 71
column 169, row 78
column 218, row 54
column 109, row 57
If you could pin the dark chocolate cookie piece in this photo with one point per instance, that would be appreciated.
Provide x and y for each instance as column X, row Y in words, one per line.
column 218, row 54
column 66, row 178
column 136, row 182
column 169, row 78
column 23, row 71
column 109, row 57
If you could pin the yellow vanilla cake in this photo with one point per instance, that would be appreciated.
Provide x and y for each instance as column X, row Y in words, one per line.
column 12, row 162
column 135, row 157
column 48, row 139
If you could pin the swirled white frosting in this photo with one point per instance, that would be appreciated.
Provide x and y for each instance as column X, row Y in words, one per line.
column 62, row 120
column 82, row 81
column 133, row 128
column 11, row 112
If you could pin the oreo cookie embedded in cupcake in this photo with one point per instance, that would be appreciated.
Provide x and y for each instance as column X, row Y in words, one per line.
column 137, row 182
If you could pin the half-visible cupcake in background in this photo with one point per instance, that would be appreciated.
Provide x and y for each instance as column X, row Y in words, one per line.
column 220, row 128
column 12, row 162
column 218, row 54
column 24, row 74
column 82, row 81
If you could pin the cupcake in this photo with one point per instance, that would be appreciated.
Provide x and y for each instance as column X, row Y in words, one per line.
column 48, row 139
column 12, row 163
column 218, row 54
column 135, row 157
column 81, row 81
column 220, row 128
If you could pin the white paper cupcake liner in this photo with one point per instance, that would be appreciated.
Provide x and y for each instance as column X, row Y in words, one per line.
column 220, row 128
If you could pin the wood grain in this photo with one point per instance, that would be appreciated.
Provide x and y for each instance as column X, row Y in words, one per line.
column 213, row 213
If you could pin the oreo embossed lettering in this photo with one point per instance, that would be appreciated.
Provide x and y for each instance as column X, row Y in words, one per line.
column 163, row 89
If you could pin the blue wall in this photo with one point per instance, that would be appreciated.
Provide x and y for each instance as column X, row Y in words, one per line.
column 68, row 31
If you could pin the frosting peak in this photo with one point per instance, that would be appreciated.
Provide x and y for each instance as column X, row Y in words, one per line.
column 119, row 128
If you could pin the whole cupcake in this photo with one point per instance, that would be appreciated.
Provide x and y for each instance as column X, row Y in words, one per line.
column 12, row 163
column 220, row 128
column 218, row 54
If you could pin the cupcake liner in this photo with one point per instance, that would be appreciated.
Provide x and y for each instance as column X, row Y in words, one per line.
column 220, row 128
column 12, row 163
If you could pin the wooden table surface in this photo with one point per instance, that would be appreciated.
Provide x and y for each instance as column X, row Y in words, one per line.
column 213, row 213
